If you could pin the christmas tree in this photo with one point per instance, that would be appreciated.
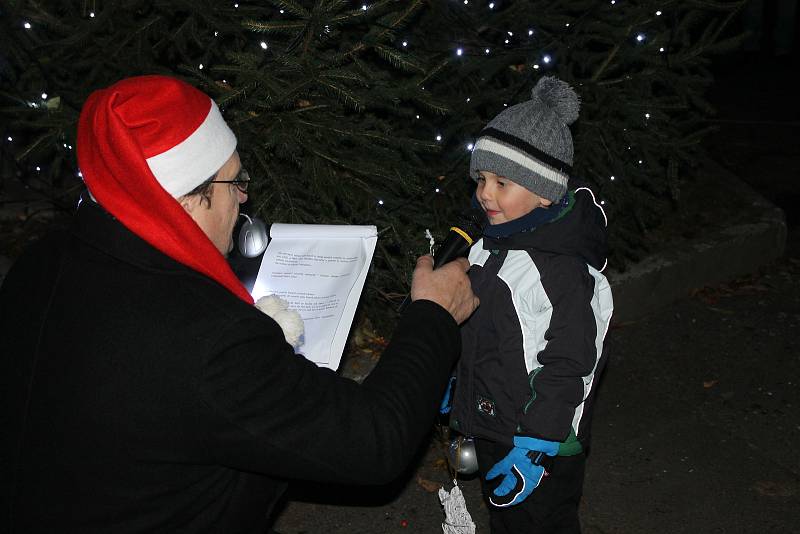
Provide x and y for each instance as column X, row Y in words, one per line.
column 364, row 112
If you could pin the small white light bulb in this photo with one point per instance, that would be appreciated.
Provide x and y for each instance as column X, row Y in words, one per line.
column 658, row 13
column 418, row 116
column 506, row 41
column 468, row 99
column 547, row 59
column 530, row 32
column 641, row 37
column 263, row 45
column 200, row 66
column 437, row 189
column 470, row 146
column 405, row 43
column 10, row 138
column 459, row 51
column 44, row 96
column 439, row 137
column 491, row 5
column 661, row 49
column 38, row 168
column 91, row 15
column 612, row 178
column 536, row 66
column 380, row 202
column 486, row 51
column 364, row 8
column 27, row 25
column 646, row 115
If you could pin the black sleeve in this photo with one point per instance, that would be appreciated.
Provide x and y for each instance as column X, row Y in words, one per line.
column 570, row 353
column 276, row 413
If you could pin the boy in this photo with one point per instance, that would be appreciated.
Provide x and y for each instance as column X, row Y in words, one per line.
column 532, row 352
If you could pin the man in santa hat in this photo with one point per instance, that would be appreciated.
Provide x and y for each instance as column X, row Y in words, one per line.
column 142, row 390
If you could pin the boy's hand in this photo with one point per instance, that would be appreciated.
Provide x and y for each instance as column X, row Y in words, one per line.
column 447, row 400
column 447, row 286
column 521, row 469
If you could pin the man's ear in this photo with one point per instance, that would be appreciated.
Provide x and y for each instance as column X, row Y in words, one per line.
column 189, row 202
column 546, row 203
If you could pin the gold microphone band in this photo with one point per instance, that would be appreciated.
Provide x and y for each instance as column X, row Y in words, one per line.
column 462, row 233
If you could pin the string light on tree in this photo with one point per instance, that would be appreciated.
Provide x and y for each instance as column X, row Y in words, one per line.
column 439, row 137
column 530, row 32
column 405, row 43
column 91, row 15
column 459, row 51
column 658, row 13
column 263, row 45
column 200, row 66
column 10, row 139
column 486, row 51
column 380, row 202
column 27, row 25
column 470, row 146
column 612, row 178
column 491, row 5
column 640, row 37
column 547, row 59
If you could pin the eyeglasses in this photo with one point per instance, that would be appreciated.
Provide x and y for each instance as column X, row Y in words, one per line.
column 241, row 181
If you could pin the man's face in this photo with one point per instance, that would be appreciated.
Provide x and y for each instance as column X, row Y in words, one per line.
column 218, row 218
column 504, row 200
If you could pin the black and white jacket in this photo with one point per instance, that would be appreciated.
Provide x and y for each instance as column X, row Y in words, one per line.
column 533, row 350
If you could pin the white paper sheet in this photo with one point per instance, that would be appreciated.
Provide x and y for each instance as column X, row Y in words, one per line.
column 320, row 270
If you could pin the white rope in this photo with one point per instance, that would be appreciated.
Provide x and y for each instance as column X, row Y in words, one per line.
column 456, row 517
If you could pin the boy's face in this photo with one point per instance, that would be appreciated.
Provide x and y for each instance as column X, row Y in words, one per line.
column 504, row 200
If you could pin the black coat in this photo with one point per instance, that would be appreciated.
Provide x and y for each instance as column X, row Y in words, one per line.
column 141, row 396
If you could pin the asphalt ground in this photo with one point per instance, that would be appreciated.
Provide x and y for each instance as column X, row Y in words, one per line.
column 697, row 426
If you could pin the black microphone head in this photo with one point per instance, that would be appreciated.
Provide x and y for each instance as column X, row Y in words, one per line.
column 471, row 222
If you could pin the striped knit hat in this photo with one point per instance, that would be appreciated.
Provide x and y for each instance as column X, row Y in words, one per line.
column 530, row 143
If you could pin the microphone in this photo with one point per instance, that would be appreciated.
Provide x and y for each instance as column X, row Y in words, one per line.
column 457, row 243
column 460, row 238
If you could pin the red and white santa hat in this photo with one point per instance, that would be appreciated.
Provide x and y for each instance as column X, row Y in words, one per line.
column 144, row 141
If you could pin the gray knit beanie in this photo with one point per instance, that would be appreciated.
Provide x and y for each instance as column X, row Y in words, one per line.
column 530, row 143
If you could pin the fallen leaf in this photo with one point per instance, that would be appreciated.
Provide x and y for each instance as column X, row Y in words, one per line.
column 428, row 485
column 770, row 488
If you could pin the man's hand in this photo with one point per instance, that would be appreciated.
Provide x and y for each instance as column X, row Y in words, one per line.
column 447, row 286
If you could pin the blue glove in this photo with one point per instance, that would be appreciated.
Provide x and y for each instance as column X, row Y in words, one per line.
column 522, row 470
column 447, row 401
